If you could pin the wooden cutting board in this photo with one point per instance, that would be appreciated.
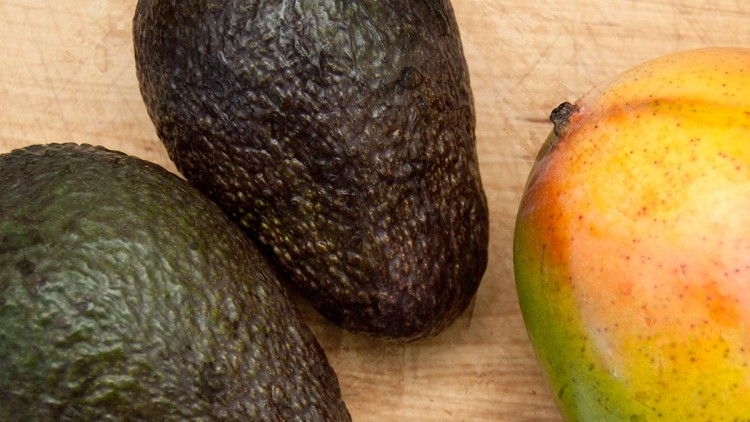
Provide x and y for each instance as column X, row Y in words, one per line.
column 68, row 75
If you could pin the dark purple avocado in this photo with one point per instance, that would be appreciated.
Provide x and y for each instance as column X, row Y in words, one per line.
column 340, row 135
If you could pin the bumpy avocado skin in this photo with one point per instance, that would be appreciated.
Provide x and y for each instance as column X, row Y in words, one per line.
column 127, row 295
column 338, row 133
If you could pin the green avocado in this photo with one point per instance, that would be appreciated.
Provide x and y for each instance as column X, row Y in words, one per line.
column 340, row 135
column 125, row 294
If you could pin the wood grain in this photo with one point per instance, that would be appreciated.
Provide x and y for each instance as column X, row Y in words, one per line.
column 68, row 75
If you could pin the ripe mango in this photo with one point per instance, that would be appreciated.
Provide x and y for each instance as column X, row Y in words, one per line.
column 632, row 244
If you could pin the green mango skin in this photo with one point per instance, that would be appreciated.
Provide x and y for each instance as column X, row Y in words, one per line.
column 584, row 390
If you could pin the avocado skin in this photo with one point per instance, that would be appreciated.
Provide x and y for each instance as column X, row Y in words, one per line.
column 125, row 294
column 338, row 134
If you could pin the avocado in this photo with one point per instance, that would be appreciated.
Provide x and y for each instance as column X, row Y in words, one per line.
column 125, row 294
column 340, row 135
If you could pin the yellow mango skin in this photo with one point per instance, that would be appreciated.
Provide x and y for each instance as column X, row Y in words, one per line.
column 632, row 245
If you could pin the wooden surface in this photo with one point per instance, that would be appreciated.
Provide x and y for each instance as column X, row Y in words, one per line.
column 67, row 74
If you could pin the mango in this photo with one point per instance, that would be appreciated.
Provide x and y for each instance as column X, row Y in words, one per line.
column 632, row 244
